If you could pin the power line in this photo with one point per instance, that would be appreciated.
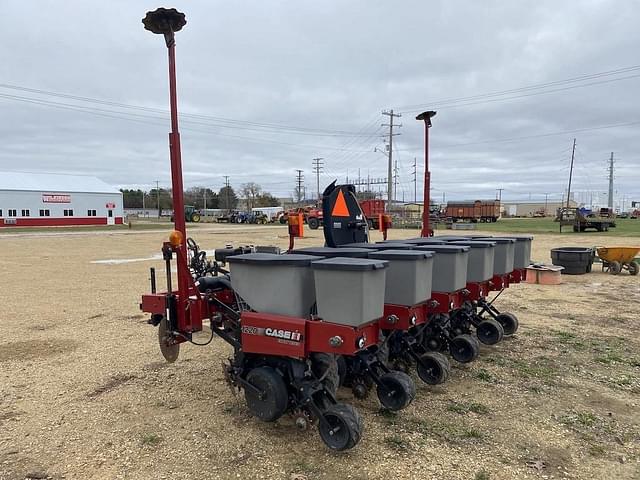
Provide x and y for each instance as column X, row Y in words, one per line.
column 234, row 123
column 489, row 95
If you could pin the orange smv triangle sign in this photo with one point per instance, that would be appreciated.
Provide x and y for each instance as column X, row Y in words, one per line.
column 340, row 207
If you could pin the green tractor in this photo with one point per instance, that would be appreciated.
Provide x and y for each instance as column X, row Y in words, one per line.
column 190, row 214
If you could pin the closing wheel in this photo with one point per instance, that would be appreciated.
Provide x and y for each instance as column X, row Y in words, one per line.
column 509, row 323
column 270, row 401
column 615, row 268
column 168, row 348
column 396, row 391
column 464, row 348
column 489, row 331
column 342, row 427
column 433, row 368
column 634, row 268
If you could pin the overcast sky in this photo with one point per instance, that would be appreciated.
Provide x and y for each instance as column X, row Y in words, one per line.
column 313, row 77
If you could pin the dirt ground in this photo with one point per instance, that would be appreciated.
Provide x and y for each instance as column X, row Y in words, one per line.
column 85, row 394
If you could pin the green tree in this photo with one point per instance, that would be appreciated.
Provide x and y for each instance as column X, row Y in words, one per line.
column 227, row 198
column 265, row 199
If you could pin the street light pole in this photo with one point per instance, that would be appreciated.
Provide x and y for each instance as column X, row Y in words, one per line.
column 426, row 230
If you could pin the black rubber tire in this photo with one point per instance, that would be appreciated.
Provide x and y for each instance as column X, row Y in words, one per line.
column 509, row 323
column 346, row 427
column 490, row 331
column 464, row 348
column 276, row 399
column 313, row 223
column 615, row 268
column 396, row 391
column 634, row 268
column 433, row 368
column 283, row 220
column 326, row 365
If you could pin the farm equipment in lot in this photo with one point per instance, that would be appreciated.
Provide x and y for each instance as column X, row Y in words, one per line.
column 303, row 323
column 191, row 214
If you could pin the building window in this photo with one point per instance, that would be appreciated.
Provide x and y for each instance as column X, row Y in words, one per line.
column 91, row 213
column 13, row 212
column 45, row 213
column 0, row 212
column 68, row 213
column 26, row 212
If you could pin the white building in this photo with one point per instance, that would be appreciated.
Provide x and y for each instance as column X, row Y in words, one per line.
column 47, row 199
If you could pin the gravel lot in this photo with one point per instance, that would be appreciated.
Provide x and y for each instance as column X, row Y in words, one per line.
column 85, row 394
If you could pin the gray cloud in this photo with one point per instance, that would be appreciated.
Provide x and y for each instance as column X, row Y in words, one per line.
column 333, row 66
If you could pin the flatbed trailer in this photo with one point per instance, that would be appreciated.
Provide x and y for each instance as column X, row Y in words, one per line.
column 580, row 222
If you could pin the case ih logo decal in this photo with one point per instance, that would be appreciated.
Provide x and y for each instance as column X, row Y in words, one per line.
column 286, row 335
column 55, row 198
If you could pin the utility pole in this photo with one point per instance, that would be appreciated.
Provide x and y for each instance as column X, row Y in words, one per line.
column 415, row 180
column 573, row 155
column 204, row 194
column 317, row 168
column 391, row 116
column 226, row 191
column 610, row 203
column 158, row 195
column 299, row 181
column 546, row 203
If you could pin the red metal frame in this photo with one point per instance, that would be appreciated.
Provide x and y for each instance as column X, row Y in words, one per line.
column 265, row 333
column 477, row 290
column 398, row 317
column 444, row 302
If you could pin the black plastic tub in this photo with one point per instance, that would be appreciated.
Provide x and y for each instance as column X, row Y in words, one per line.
column 575, row 260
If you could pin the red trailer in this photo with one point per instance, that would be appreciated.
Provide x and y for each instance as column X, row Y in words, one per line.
column 476, row 211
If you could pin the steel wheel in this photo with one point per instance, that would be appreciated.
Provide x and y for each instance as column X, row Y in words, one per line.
column 396, row 391
column 342, row 427
column 271, row 403
column 433, row 368
column 464, row 348
column 509, row 323
column 489, row 331
column 168, row 348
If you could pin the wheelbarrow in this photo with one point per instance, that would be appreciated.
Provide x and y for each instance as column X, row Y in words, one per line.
column 616, row 259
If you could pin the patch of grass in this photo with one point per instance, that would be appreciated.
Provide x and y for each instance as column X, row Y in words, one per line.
column 569, row 339
column 482, row 475
column 151, row 439
column 449, row 432
column 609, row 357
column 541, row 367
column 483, row 375
column 397, row 443
column 304, row 466
column 472, row 433
column 466, row 407
column 623, row 381
column 496, row 360
column 597, row 450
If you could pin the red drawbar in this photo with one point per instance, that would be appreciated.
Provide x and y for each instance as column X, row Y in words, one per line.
column 58, row 222
column 403, row 315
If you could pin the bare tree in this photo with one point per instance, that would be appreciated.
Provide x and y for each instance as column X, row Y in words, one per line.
column 250, row 192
